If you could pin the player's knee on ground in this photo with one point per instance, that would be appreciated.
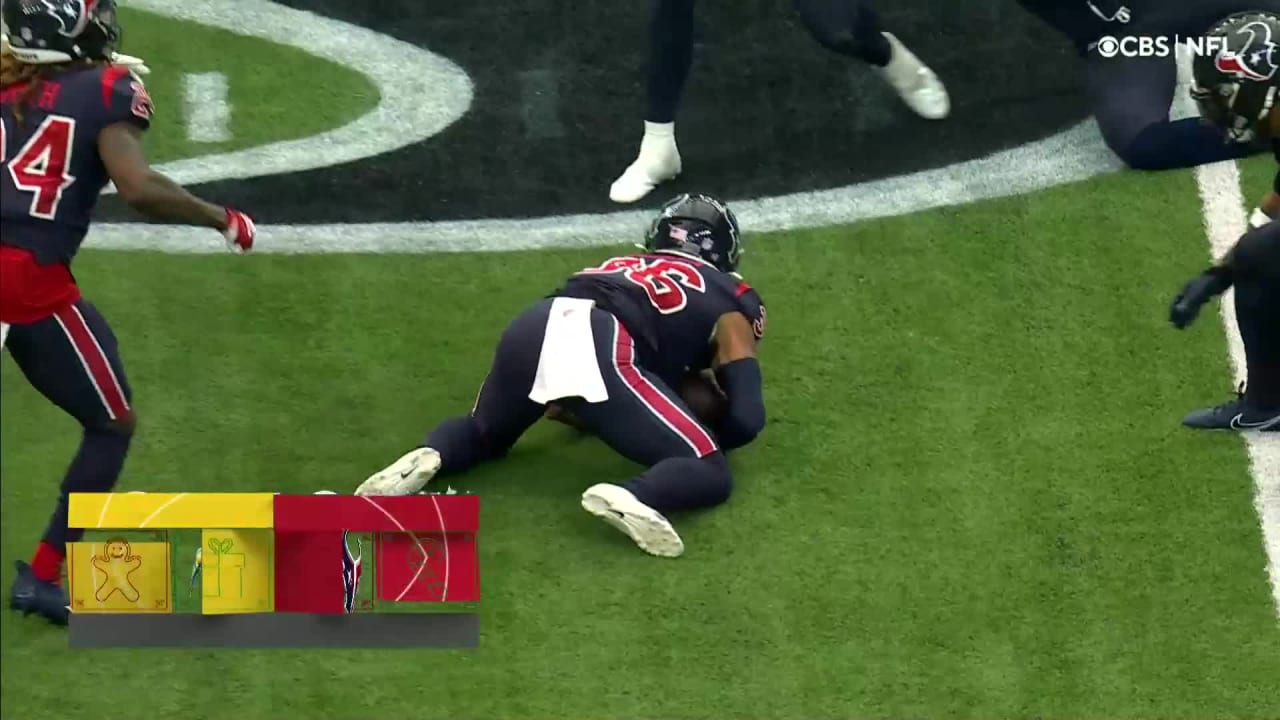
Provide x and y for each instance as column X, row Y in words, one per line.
column 684, row 483
column 1140, row 151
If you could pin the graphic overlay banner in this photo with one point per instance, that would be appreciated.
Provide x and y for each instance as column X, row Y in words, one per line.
column 119, row 576
column 425, row 549
column 275, row 570
column 122, row 511
column 432, row 568
column 236, row 572
column 408, row 631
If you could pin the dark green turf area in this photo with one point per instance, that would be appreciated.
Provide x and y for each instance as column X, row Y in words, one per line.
column 973, row 498
column 269, row 102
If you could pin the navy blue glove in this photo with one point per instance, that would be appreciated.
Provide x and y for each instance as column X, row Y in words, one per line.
column 1197, row 292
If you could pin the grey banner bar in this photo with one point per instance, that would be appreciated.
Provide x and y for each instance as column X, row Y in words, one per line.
column 276, row 630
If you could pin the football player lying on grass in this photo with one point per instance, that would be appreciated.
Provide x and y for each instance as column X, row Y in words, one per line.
column 610, row 348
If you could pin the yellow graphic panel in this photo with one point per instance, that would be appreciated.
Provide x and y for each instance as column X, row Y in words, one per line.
column 117, row 576
column 130, row 511
column 236, row 572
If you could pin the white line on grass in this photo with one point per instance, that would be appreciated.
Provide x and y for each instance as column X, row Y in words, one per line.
column 208, row 110
column 1224, row 222
column 1074, row 154
column 420, row 93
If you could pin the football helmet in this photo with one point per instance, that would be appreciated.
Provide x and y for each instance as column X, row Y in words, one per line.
column 43, row 32
column 1236, row 87
column 697, row 225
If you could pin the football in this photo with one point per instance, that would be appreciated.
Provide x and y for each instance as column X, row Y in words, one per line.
column 704, row 398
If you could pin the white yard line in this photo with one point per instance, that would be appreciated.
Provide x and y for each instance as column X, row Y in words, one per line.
column 1074, row 154
column 207, row 106
column 1225, row 220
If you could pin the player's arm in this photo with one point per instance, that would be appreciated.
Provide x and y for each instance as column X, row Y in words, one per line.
column 738, row 375
column 1250, row 253
column 158, row 197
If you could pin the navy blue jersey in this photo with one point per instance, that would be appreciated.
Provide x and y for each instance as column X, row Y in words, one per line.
column 1275, row 146
column 670, row 303
column 1085, row 21
column 53, row 173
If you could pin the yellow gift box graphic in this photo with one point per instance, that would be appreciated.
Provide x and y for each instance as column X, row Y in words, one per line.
column 120, row 576
column 236, row 572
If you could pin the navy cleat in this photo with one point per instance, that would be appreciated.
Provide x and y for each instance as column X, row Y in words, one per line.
column 1236, row 414
column 31, row 595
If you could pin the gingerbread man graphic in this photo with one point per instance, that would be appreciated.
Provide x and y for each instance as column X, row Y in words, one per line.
column 117, row 562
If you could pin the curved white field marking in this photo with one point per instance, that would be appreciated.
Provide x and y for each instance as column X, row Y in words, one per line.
column 1075, row 154
column 421, row 93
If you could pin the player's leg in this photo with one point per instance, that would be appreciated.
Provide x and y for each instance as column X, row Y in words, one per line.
column 647, row 422
column 502, row 412
column 670, row 58
column 852, row 28
column 1131, row 99
column 1257, row 295
column 72, row 358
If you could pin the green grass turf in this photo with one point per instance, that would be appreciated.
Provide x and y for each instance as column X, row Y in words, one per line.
column 268, row 102
column 973, row 498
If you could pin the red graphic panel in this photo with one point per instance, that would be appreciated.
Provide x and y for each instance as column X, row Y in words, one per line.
column 421, row 567
column 425, row 549
column 309, row 572
column 418, row 513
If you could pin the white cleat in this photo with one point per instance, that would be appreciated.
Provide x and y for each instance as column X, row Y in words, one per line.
column 405, row 476
column 658, row 162
column 915, row 83
column 646, row 526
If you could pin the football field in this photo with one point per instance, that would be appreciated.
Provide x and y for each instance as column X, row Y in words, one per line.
column 973, row 498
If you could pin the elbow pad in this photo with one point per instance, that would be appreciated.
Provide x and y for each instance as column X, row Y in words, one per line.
column 743, row 386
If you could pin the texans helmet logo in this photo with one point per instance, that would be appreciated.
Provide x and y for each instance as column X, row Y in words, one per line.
column 72, row 15
column 1257, row 60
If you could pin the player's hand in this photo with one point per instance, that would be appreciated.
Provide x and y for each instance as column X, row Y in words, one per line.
column 1201, row 289
column 240, row 231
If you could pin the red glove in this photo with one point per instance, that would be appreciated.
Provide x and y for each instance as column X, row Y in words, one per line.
column 240, row 231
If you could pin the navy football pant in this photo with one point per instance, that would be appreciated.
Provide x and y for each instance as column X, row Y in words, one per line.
column 848, row 27
column 1131, row 99
column 644, row 420
column 1257, row 302
column 72, row 358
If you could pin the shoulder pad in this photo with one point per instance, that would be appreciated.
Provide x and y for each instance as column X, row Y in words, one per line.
column 126, row 97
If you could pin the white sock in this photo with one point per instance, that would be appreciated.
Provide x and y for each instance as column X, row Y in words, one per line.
column 659, row 143
column 659, row 130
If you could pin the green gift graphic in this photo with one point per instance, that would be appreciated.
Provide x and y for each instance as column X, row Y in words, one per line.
column 222, row 559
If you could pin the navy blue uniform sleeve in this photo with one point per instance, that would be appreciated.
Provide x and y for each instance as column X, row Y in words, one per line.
column 741, row 380
column 126, row 98
column 751, row 305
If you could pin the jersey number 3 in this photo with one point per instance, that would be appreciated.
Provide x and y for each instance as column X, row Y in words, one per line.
column 665, row 280
column 40, row 167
